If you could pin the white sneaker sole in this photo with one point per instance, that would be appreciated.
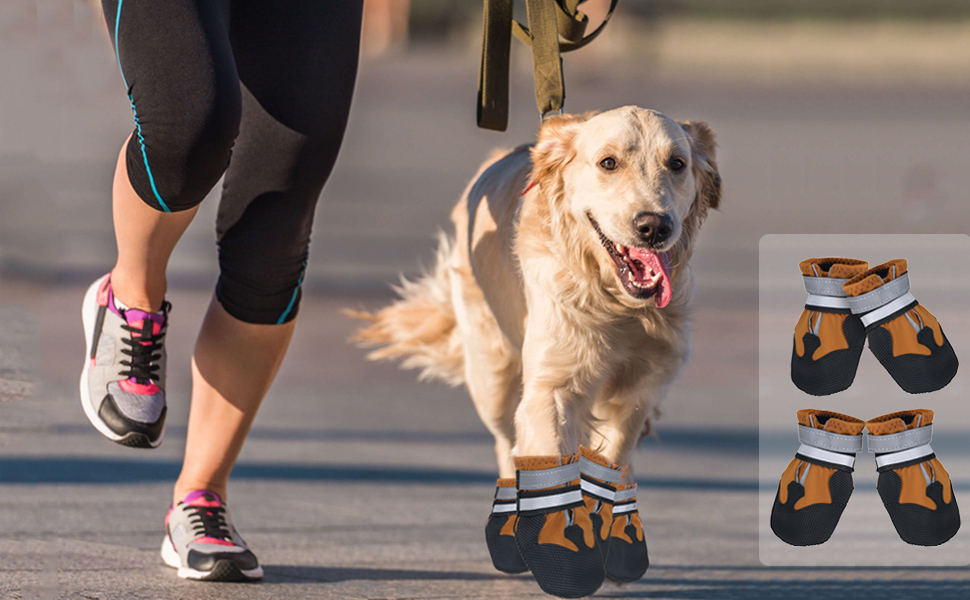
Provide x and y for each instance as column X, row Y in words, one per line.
column 89, row 310
column 171, row 558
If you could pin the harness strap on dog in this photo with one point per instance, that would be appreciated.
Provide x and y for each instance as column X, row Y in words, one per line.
column 548, row 20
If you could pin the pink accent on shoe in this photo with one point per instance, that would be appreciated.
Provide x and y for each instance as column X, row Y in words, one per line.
column 93, row 362
column 136, row 320
column 104, row 292
column 133, row 387
column 202, row 498
column 212, row 540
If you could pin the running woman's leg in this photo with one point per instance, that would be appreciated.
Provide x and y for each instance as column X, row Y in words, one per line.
column 179, row 75
column 176, row 63
column 145, row 238
column 297, row 62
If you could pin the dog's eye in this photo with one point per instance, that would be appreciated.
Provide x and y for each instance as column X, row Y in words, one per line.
column 676, row 164
column 608, row 163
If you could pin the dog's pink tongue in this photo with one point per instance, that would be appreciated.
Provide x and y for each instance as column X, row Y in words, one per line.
column 659, row 264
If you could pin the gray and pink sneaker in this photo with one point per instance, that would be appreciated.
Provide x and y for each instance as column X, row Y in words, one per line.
column 123, row 380
column 202, row 543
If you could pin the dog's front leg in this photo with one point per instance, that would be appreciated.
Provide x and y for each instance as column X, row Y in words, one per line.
column 556, row 407
column 622, row 412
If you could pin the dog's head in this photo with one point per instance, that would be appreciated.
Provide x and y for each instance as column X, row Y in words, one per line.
column 635, row 187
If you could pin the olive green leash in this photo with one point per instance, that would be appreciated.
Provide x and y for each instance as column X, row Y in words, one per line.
column 548, row 21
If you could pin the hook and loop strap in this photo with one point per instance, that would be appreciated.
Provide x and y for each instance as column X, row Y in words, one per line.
column 548, row 20
column 904, row 440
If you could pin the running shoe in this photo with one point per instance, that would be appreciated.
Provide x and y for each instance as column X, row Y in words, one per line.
column 123, row 379
column 202, row 543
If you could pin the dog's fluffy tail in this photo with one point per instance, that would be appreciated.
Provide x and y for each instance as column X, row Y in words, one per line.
column 419, row 328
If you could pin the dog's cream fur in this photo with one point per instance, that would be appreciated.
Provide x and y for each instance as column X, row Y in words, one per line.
column 524, row 305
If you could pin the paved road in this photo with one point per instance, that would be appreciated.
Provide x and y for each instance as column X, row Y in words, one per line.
column 359, row 482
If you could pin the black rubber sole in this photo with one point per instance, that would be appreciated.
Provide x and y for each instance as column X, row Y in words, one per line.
column 135, row 440
column 228, row 571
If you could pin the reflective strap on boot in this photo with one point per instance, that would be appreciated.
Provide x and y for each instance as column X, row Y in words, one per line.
column 546, row 478
column 824, row 286
column 505, row 500
column 904, row 456
column 884, row 311
column 627, row 507
column 895, row 442
column 827, row 440
column 814, row 301
column 591, row 488
column 593, row 469
column 819, row 454
column 882, row 301
column 825, row 292
column 551, row 502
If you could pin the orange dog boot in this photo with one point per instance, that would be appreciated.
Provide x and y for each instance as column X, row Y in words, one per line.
column 627, row 548
column 905, row 337
column 817, row 484
column 554, row 532
column 828, row 338
column 913, row 485
column 500, row 530
column 619, row 533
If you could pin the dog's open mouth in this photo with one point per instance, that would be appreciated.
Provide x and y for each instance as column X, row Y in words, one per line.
column 642, row 272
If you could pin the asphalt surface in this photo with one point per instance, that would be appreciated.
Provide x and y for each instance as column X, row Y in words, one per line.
column 358, row 481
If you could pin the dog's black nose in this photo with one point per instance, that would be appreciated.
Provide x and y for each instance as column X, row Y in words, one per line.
column 654, row 228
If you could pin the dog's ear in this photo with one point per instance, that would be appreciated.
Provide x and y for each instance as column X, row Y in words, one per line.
column 703, row 155
column 554, row 147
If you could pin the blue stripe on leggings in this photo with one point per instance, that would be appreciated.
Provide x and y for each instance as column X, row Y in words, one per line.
column 289, row 307
column 141, row 138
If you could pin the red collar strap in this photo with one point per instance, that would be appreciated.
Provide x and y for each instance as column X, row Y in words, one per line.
column 529, row 187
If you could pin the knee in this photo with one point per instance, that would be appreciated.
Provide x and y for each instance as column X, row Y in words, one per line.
column 172, row 166
column 260, row 291
column 261, row 266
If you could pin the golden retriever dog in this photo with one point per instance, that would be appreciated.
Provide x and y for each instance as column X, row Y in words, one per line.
column 562, row 300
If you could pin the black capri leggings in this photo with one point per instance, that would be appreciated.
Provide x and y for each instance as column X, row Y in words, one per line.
column 265, row 82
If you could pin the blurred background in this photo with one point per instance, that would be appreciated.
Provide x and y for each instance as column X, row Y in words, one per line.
column 831, row 116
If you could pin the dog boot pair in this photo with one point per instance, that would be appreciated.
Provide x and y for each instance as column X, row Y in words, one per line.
column 913, row 485
column 612, row 508
column 817, row 484
column 905, row 337
column 828, row 338
column 553, row 529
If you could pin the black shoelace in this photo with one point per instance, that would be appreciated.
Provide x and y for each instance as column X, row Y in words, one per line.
column 209, row 521
column 143, row 351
